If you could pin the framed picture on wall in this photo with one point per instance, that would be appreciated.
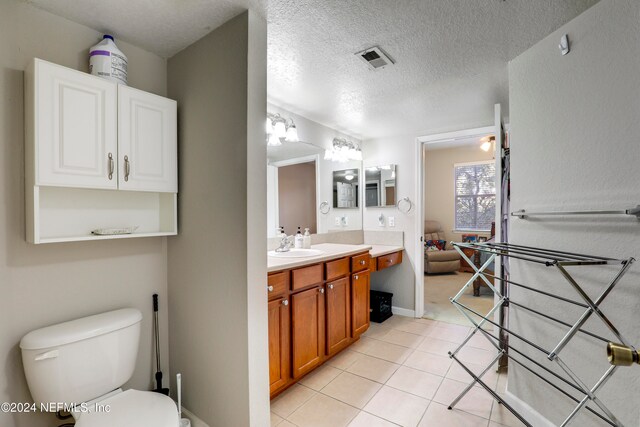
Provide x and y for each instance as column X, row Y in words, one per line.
column 469, row 238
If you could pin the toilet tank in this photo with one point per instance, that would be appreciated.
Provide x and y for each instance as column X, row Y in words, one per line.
column 82, row 359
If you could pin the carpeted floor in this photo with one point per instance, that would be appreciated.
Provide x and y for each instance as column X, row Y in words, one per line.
column 438, row 288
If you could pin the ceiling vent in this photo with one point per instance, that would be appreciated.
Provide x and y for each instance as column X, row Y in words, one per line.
column 375, row 58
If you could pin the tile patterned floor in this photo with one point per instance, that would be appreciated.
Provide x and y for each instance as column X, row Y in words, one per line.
column 398, row 374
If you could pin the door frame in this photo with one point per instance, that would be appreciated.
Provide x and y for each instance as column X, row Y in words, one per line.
column 421, row 142
column 295, row 161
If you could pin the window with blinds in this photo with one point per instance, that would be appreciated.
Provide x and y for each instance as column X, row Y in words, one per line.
column 475, row 196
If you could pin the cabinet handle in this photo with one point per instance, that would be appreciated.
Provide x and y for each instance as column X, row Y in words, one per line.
column 322, row 290
column 270, row 288
column 330, row 286
column 355, row 277
column 127, row 168
column 285, row 302
column 110, row 166
column 362, row 262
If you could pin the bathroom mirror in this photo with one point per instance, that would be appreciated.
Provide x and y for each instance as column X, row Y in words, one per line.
column 300, row 185
column 346, row 188
column 292, row 187
column 300, row 181
column 380, row 186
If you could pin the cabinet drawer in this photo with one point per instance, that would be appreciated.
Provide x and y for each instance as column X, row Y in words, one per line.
column 277, row 284
column 389, row 260
column 360, row 262
column 337, row 268
column 307, row 276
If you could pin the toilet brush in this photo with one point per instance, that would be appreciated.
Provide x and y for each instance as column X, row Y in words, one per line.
column 183, row 422
column 156, row 333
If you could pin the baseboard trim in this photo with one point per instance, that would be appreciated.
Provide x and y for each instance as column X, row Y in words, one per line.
column 195, row 421
column 403, row 312
column 529, row 414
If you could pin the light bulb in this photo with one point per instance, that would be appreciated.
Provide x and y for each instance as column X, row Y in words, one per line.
column 269, row 126
column 485, row 146
column 349, row 177
column 292, row 134
column 279, row 129
column 274, row 141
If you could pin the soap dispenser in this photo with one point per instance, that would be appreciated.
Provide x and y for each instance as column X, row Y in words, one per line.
column 306, row 239
column 298, row 241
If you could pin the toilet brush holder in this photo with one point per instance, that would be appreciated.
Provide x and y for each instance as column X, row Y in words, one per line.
column 184, row 422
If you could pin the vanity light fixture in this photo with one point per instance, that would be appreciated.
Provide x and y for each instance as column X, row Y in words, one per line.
column 278, row 128
column 342, row 151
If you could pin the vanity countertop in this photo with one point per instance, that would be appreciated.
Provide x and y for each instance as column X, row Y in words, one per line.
column 331, row 251
column 380, row 250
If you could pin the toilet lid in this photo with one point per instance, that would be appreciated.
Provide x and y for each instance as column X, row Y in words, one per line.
column 132, row 408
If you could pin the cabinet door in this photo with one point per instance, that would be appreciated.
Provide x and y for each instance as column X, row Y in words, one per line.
column 360, row 287
column 147, row 141
column 278, row 344
column 338, row 311
column 73, row 118
column 307, row 316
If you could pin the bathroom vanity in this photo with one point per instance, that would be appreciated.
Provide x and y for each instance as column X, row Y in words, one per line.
column 318, row 306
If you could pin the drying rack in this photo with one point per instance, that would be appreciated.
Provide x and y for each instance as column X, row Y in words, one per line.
column 559, row 260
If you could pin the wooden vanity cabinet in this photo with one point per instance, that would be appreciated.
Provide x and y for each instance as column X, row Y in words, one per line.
column 307, row 329
column 315, row 311
column 338, row 311
column 360, row 288
column 279, row 343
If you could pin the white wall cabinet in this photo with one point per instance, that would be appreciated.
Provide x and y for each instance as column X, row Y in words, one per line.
column 88, row 140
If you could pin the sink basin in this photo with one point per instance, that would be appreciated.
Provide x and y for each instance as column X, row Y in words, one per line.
column 296, row 253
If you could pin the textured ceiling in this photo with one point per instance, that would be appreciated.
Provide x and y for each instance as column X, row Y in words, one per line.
column 451, row 55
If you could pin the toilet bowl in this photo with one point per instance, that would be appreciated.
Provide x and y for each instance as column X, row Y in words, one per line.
column 81, row 364
column 130, row 408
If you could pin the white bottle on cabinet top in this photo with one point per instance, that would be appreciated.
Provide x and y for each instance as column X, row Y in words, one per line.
column 107, row 61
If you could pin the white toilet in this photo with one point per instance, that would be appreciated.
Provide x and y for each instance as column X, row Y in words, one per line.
column 84, row 362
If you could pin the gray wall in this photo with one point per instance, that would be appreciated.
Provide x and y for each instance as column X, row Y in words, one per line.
column 574, row 139
column 217, row 264
column 42, row 285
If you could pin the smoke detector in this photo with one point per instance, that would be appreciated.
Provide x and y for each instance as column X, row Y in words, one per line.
column 375, row 58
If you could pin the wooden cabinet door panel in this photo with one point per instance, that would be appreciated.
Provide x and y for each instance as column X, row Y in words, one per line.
column 338, row 313
column 307, row 317
column 360, row 286
column 279, row 348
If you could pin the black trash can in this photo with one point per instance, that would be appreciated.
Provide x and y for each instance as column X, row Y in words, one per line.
column 380, row 306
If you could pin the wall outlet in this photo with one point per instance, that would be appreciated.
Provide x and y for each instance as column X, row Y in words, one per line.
column 392, row 221
column 345, row 221
column 381, row 220
column 337, row 221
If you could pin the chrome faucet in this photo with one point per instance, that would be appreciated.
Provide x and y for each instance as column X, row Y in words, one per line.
column 285, row 244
